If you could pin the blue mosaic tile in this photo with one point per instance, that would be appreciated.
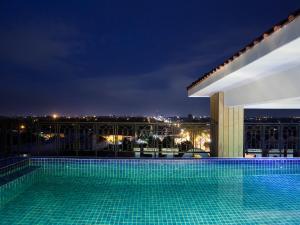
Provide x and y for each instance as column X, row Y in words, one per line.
column 10, row 165
column 120, row 191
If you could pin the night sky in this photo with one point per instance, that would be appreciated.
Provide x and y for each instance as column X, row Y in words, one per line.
column 121, row 57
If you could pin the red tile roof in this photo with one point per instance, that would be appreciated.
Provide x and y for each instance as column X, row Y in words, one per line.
column 248, row 47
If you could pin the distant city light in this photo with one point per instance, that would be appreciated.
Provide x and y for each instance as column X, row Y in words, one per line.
column 22, row 127
column 54, row 116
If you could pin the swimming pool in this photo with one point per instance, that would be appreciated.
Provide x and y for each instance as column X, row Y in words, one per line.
column 152, row 191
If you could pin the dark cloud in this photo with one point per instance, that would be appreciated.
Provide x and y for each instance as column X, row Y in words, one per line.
column 39, row 47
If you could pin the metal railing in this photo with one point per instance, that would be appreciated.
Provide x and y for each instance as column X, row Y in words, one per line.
column 106, row 139
column 272, row 139
column 138, row 139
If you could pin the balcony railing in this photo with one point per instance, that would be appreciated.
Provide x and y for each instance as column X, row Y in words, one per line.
column 272, row 139
column 139, row 139
column 107, row 139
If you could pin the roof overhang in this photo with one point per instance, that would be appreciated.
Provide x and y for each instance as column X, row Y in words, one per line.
column 265, row 76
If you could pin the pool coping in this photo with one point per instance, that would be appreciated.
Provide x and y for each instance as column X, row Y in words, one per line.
column 168, row 159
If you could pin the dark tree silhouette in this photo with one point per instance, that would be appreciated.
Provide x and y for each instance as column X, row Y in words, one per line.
column 168, row 142
column 126, row 145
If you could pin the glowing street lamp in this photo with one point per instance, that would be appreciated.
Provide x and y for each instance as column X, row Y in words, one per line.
column 54, row 116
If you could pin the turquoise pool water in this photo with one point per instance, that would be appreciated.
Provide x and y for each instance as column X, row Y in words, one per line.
column 59, row 191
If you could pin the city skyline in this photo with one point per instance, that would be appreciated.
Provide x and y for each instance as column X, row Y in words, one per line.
column 111, row 58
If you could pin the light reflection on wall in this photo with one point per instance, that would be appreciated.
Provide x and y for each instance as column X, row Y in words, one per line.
column 201, row 140
column 48, row 136
column 116, row 139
